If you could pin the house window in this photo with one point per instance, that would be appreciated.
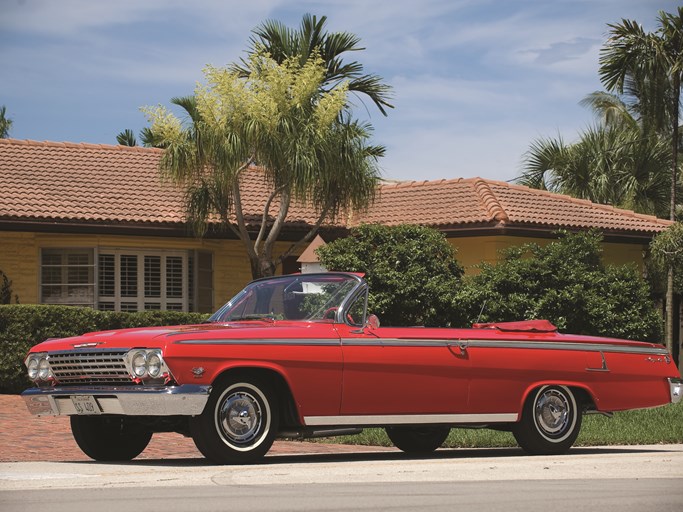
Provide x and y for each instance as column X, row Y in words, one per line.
column 67, row 276
column 132, row 280
column 127, row 279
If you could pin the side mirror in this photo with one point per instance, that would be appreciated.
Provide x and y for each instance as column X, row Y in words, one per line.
column 372, row 322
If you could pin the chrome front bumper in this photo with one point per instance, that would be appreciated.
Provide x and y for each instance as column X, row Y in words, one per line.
column 185, row 400
column 676, row 387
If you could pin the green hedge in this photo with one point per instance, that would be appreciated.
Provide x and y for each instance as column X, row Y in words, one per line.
column 25, row 325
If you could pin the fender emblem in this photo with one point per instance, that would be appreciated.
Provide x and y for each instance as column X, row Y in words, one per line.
column 198, row 372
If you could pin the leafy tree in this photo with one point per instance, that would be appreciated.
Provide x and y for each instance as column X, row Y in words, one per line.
column 666, row 250
column 278, row 117
column 412, row 271
column 566, row 283
column 312, row 40
column 650, row 65
column 5, row 123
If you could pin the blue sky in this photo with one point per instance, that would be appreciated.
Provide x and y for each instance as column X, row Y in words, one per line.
column 475, row 81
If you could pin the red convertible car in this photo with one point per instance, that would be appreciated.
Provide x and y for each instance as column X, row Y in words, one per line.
column 298, row 356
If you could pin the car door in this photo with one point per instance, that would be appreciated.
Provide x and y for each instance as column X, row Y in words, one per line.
column 410, row 372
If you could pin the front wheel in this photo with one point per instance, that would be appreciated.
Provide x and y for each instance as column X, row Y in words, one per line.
column 238, row 424
column 109, row 438
column 417, row 439
column 551, row 421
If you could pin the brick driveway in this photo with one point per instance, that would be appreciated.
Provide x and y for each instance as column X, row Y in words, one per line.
column 24, row 437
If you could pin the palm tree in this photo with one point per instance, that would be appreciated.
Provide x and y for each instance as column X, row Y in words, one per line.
column 613, row 162
column 651, row 64
column 282, row 43
column 5, row 123
column 127, row 138
column 326, row 163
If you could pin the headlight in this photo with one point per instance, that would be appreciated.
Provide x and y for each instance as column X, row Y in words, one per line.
column 32, row 366
column 43, row 369
column 154, row 365
column 140, row 364
column 147, row 364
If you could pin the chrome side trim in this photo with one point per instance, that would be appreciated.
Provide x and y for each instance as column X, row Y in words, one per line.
column 252, row 341
column 568, row 345
column 518, row 344
column 410, row 419
column 185, row 400
column 676, row 388
column 396, row 342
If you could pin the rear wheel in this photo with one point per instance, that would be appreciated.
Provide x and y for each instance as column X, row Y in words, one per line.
column 109, row 438
column 239, row 422
column 417, row 439
column 551, row 421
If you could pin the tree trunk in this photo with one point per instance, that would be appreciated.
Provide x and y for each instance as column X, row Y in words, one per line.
column 672, row 217
column 261, row 266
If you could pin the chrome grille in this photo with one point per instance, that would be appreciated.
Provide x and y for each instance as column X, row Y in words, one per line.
column 89, row 367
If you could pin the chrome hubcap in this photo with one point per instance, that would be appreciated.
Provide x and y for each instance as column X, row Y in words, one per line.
column 240, row 418
column 552, row 412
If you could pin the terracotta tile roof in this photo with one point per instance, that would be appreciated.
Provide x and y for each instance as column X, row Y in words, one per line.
column 92, row 182
column 49, row 180
column 481, row 202
column 87, row 182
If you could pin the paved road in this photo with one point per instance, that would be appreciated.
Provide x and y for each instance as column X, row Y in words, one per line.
column 605, row 479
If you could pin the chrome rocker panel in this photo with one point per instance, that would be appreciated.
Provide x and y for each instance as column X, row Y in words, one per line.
column 185, row 400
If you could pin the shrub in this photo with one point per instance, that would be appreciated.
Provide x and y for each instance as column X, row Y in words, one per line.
column 22, row 326
column 6, row 290
column 412, row 271
column 566, row 283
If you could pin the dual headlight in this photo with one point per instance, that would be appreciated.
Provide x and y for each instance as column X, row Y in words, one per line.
column 38, row 367
column 146, row 364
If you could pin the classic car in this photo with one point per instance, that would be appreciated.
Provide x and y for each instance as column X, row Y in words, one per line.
column 298, row 356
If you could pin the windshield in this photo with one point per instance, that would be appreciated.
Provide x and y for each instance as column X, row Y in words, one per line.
column 309, row 297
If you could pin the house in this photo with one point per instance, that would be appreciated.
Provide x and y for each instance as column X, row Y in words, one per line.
column 94, row 225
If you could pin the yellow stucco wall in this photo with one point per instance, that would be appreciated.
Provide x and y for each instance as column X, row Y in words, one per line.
column 474, row 250
column 20, row 253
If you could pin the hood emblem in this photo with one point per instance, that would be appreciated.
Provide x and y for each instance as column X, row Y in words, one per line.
column 88, row 345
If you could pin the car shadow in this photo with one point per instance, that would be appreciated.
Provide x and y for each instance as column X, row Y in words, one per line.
column 368, row 456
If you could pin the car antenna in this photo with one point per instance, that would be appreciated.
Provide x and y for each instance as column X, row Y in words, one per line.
column 481, row 311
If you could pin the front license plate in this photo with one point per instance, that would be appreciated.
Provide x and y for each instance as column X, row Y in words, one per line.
column 85, row 404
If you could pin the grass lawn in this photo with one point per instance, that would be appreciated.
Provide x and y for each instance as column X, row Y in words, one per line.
column 663, row 425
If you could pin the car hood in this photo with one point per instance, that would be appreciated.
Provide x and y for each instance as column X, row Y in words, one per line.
column 159, row 337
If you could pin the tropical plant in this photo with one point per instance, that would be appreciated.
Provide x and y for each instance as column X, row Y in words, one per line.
column 412, row 271
column 127, row 138
column 277, row 117
column 649, row 66
column 5, row 123
column 610, row 164
column 312, row 40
